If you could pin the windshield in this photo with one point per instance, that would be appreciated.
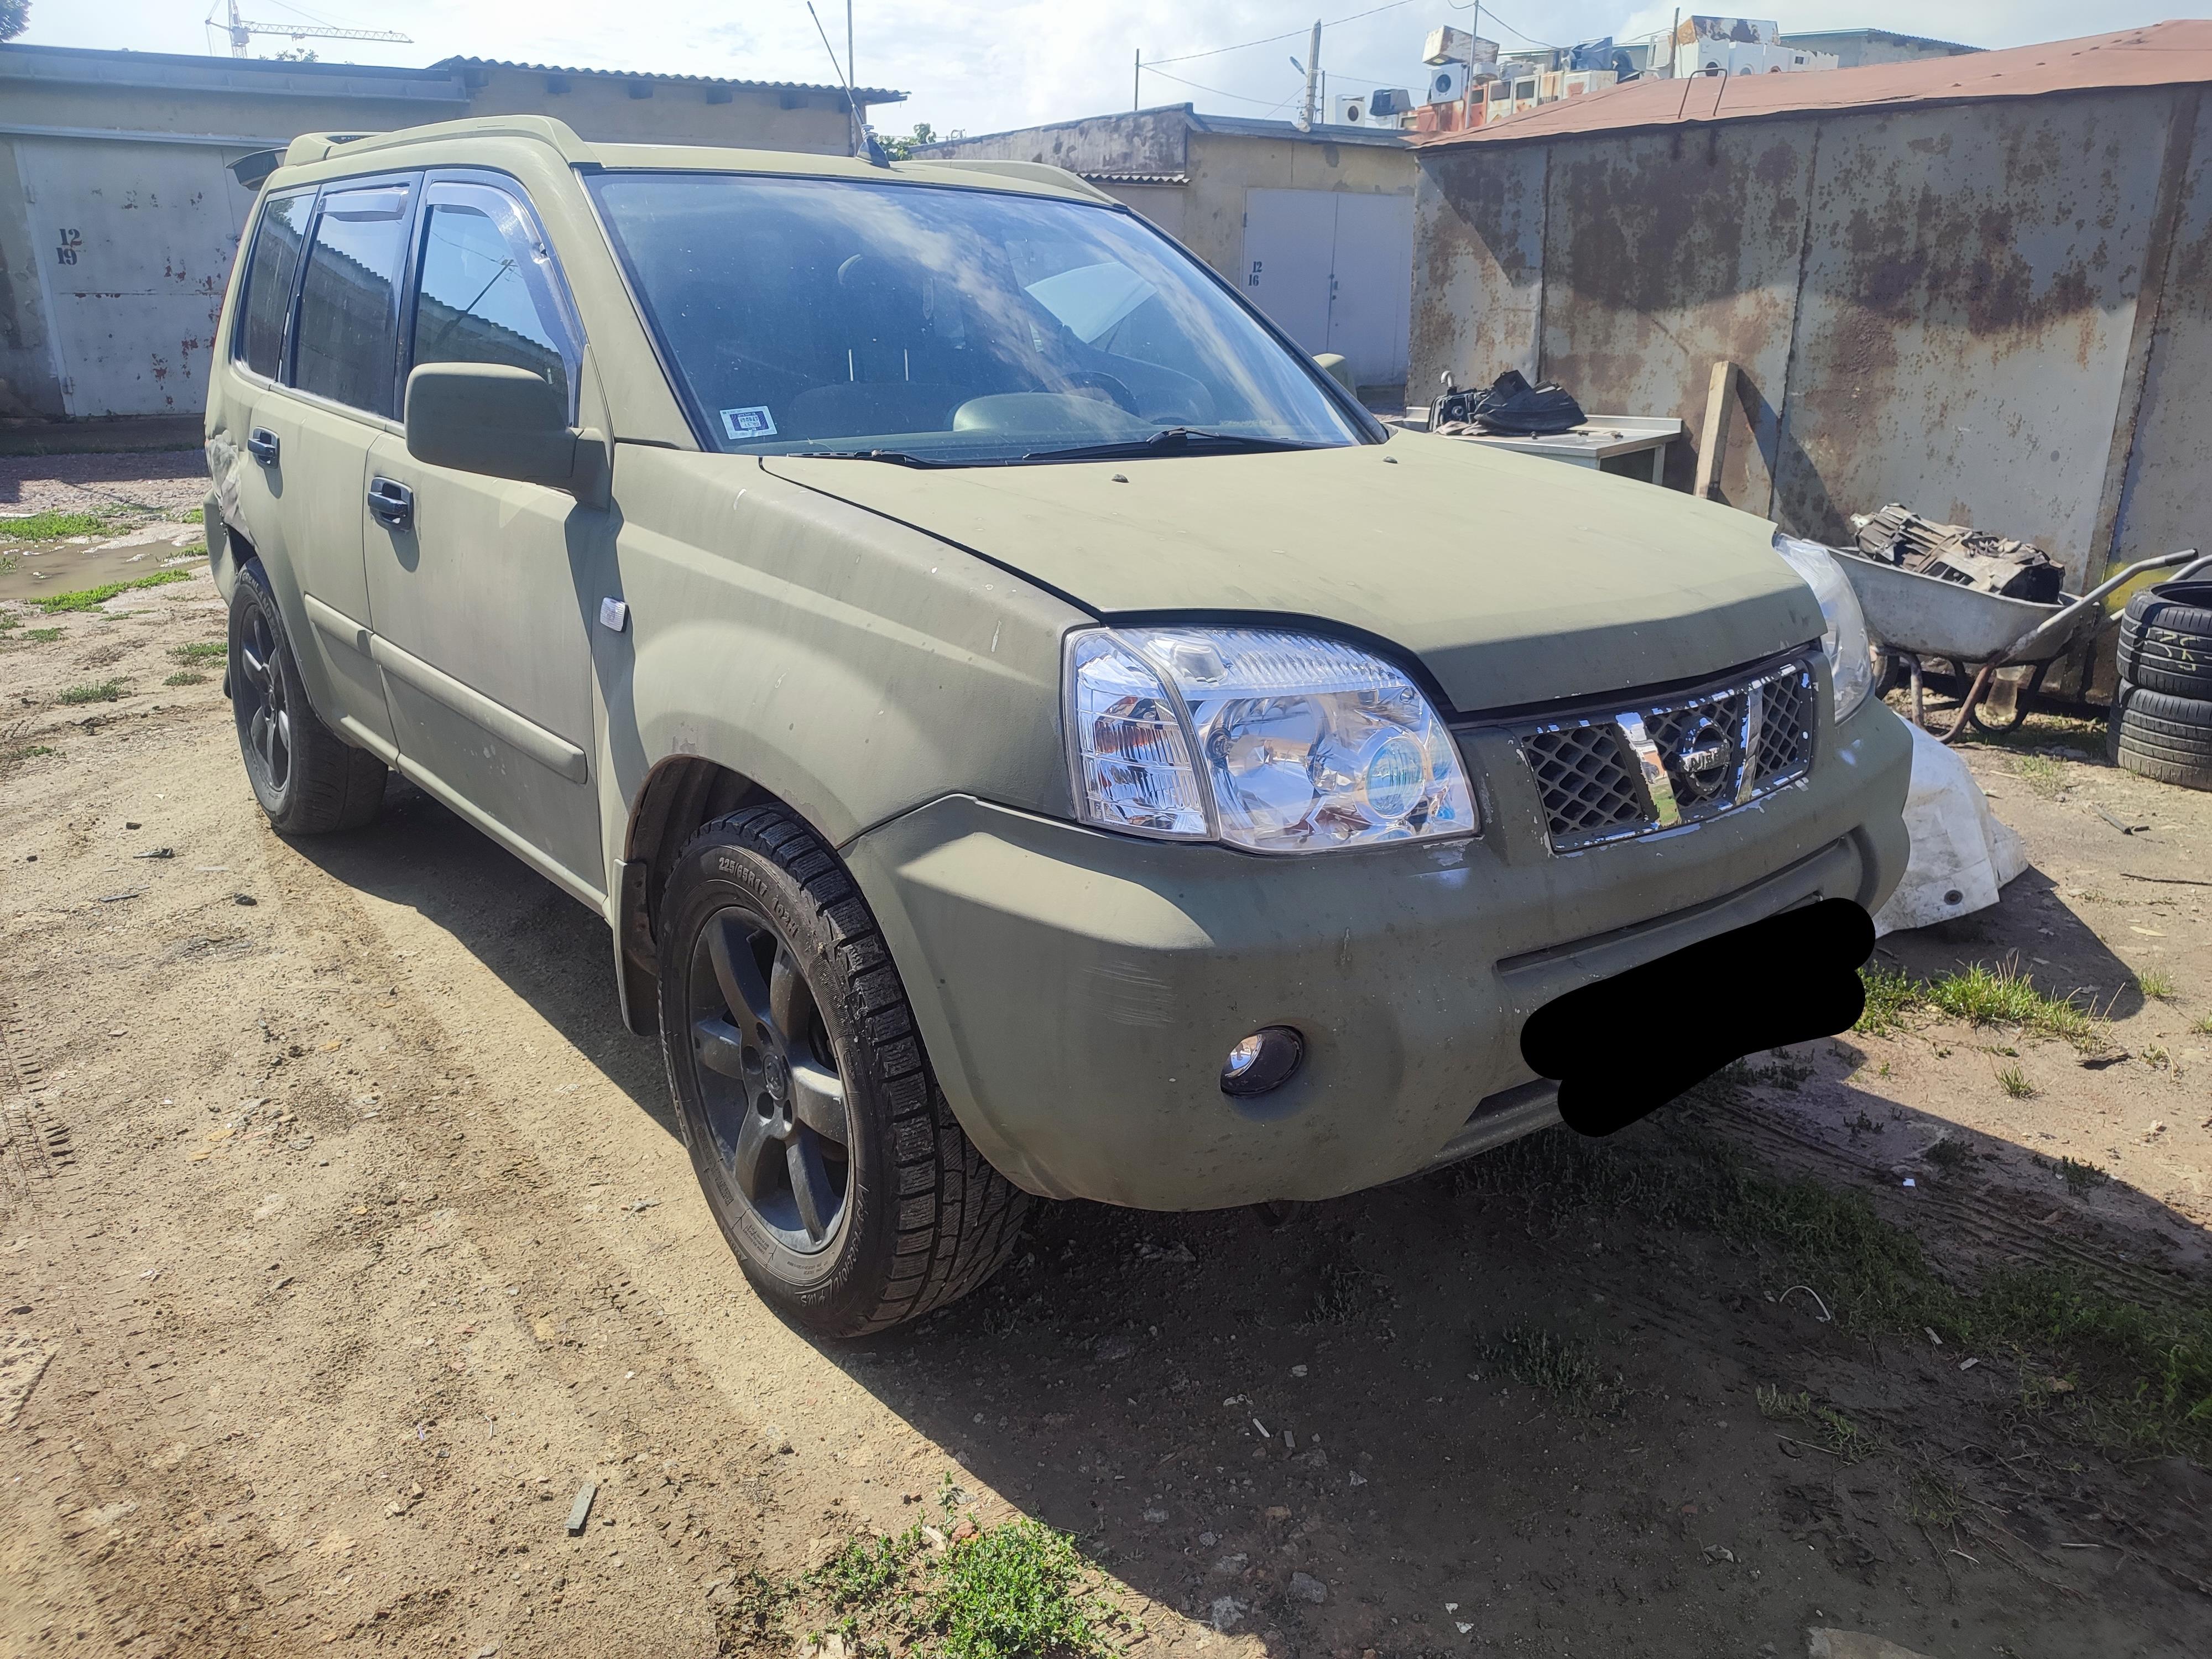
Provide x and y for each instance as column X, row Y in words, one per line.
column 945, row 326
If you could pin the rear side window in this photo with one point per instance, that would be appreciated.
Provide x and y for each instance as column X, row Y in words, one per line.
column 269, row 273
column 489, row 293
column 348, row 306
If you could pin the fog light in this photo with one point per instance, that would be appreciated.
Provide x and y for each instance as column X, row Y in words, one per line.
column 1263, row 1061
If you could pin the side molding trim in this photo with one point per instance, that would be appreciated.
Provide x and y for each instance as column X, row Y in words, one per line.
column 549, row 749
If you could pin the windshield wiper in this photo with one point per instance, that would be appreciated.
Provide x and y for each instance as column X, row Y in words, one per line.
column 1174, row 440
column 893, row 457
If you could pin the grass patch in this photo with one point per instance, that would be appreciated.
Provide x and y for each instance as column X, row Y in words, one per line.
column 185, row 676
column 1948, row 1156
column 2145, row 1368
column 1349, row 1294
column 2155, row 983
column 2013, row 1082
column 16, row 747
column 1827, row 1428
column 103, row 691
column 1562, row 1367
column 1981, row 994
column 91, row 598
column 2041, row 774
column 199, row 652
column 1016, row 1590
column 42, row 635
column 51, row 526
column 2203, row 1025
column 1932, row 1501
column 2081, row 1177
column 1889, row 993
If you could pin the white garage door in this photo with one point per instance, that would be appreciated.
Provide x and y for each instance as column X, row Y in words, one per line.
column 135, row 243
column 1335, row 273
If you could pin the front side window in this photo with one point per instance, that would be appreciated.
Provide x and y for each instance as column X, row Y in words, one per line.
column 268, row 273
column 349, row 304
column 954, row 326
column 488, row 293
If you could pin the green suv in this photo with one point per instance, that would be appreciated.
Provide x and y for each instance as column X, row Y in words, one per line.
column 1028, row 731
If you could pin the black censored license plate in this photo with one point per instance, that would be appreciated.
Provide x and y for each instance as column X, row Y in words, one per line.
column 1628, row 1044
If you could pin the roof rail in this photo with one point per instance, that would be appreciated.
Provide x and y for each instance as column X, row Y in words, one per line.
column 310, row 147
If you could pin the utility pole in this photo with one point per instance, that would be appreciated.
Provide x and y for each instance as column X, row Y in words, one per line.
column 1671, row 47
column 852, row 83
column 1313, row 77
column 1137, row 81
column 1467, row 96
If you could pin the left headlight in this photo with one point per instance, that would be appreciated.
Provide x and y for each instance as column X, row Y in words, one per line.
column 1272, row 741
column 1844, row 638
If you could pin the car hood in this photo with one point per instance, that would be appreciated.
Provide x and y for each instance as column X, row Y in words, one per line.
column 1513, row 580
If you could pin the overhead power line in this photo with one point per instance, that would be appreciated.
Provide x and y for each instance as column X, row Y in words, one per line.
column 1295, row 34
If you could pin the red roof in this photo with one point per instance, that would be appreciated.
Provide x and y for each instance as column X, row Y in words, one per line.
column 2160, row 55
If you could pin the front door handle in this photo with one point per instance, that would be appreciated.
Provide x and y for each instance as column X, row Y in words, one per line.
column 261, row 444
column 392, row 502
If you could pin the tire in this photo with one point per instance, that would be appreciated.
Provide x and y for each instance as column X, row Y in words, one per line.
column 309, row 781
column 784, row 1023
column 2164, row 737
column 2166, row 639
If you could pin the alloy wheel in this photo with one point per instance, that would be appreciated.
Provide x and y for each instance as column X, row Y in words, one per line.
column 264, row 719
column 767, row 1079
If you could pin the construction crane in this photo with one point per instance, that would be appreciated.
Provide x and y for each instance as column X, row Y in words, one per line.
column 242, row 31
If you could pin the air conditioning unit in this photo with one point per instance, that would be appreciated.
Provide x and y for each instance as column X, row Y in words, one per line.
column 1447, row 84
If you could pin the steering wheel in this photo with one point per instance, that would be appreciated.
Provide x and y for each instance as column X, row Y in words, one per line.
column 1116, row 393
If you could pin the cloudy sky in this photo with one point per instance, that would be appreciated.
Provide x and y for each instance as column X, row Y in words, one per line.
column 981, row 65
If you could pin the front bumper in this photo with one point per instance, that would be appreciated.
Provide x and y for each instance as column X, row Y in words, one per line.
column 1078, row 991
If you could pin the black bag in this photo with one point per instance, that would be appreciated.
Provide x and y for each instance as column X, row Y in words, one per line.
column 1511, row 407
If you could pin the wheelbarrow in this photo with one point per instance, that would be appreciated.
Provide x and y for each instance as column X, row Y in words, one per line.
column 1920, row 616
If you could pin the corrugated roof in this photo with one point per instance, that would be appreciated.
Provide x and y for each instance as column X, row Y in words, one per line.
column 2161, row 55
column 865, row 95
column 1135, row 178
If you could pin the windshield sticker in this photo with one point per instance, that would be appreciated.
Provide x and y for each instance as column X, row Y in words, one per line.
column 743, row 423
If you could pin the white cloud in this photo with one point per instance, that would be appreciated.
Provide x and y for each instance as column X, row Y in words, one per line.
column 984, row 64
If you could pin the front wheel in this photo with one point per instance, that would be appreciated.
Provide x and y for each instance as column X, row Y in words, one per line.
column 826, row 1152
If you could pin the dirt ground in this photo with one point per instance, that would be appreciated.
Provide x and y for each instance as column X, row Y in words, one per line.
column 344, row 1233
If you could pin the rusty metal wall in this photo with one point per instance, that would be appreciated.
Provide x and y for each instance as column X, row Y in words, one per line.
column 1152, row 141
column 2163, row 500
column 1937, row 305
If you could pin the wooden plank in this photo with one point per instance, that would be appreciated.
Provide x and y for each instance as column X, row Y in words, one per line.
column 1714, row 435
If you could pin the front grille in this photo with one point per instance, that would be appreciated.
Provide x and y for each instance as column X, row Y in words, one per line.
column 1611, row 774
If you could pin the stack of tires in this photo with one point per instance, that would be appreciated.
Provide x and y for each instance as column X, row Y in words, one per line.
column 2161, row 724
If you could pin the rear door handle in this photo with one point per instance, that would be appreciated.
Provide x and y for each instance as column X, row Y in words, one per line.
column 392, row 502
column 261, row 444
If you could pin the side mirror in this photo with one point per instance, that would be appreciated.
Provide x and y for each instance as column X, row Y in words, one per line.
column 1334, row 365
column 491, row 418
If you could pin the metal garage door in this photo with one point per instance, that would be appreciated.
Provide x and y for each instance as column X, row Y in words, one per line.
column 1335, row 271
column 134, row 241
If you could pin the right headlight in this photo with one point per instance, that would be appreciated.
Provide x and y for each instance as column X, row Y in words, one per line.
column 1272, row 741
column 1844, row 638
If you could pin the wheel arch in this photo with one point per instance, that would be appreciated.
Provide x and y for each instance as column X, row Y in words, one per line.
column 679, row 793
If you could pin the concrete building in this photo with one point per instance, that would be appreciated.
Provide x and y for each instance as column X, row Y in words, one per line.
column 1316, row 228
column 120, row 215
column 1976, row 285
column 1854, row 48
